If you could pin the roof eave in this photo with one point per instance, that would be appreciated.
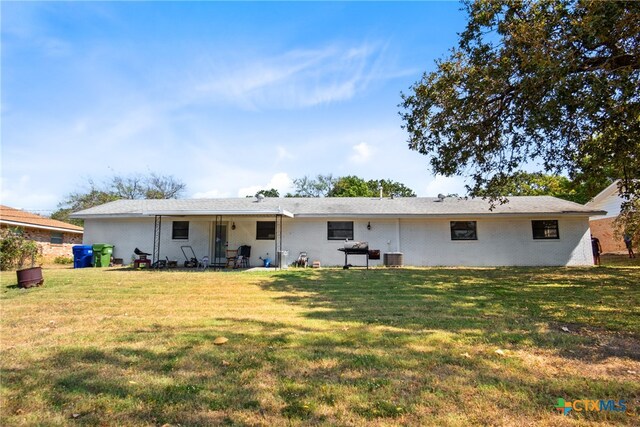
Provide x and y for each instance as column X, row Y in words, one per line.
column 42, row 227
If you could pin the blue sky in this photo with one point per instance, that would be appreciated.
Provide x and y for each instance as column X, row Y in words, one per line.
column 228, row 97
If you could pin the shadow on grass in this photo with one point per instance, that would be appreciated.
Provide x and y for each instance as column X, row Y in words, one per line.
column 281, row 373
column 502, row 306
column 394, row 347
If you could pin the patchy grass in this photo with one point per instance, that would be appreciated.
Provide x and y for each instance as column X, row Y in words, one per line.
column 323, row 347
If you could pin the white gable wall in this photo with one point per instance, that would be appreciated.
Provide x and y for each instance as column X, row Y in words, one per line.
column 502, row 242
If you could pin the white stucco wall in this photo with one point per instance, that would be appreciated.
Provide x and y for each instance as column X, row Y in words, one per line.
column 424, row 242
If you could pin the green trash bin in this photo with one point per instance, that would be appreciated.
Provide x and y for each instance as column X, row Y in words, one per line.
column 102, row 253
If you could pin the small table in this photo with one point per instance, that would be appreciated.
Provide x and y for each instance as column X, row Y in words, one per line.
column 145, row 262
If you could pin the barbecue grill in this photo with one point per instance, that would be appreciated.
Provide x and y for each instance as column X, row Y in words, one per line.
column 355, row 248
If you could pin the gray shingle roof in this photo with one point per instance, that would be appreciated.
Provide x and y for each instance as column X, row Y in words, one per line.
column 338, row 206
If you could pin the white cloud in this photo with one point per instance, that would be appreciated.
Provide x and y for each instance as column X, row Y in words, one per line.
column 445, row 185
column 361, row 153
column 279, row 181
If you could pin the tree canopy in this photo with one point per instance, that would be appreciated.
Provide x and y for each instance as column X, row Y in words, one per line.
column 272, row 192
column 348, row 186
column 540, row 184
column 554, row 83
column 152, row 186
column 320, row 186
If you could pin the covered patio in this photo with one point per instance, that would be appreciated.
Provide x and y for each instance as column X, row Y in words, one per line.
column 228, row 231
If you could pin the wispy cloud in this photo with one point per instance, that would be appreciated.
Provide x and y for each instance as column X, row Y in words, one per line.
column 361, row 153
column 294, row 79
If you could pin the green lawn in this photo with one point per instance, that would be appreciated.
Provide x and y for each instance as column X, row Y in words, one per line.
column 323, row 347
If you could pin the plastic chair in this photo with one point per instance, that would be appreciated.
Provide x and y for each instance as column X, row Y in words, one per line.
column 204, row 264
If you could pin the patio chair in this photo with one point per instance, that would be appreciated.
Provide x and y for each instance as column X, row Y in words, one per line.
column 232, row 257
column 244, row 254
column 204, row 263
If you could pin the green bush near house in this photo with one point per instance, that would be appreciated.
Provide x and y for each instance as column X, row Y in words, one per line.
column 63, row 260
column 16, row 250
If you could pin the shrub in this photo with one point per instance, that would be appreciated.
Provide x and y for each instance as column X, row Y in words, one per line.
column 15, row 250
column 64, row 260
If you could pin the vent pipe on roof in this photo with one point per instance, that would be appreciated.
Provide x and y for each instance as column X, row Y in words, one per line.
column 441, row 197
column 381, row 192
column 259, row 197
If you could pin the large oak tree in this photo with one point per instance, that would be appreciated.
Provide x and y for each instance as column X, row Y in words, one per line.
column 553, row 83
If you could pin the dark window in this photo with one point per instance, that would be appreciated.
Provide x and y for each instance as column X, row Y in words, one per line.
column 265, row 230
column 545, row 229
column 340, row 230
column 463, row 230
column 180, row 230
column 56, row 238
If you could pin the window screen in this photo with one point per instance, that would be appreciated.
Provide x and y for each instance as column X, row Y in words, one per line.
column 266, row 230
column 180, row 230
column 340, row 230
column 463, row 230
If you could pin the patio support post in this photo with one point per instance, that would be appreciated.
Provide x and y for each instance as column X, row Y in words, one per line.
column 157, row 228
column 217, row 242
column 278, row 241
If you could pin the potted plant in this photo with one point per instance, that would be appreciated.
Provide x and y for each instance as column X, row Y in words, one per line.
column 15, row 250
column 32, row 276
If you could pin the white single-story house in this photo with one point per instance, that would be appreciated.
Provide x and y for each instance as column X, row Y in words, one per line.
column 526, row 231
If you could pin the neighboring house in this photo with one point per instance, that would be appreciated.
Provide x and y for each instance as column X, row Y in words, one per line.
column 608, row 200
column 54, row 237
column 427, row 231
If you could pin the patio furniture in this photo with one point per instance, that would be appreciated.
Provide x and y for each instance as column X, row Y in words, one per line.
column 239, row 257
column 204, row 264
column 245, row 252
column 232, row 257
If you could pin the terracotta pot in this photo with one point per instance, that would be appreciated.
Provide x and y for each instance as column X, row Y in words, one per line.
column 30, row 277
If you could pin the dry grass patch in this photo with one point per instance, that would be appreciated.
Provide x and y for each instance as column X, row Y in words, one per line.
column 324, row 347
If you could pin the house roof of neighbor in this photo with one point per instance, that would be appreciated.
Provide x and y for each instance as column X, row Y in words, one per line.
column 299, row 207
column 19, row 218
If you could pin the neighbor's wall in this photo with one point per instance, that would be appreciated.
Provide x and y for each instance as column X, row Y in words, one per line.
column 52, row 250
column 605, row 232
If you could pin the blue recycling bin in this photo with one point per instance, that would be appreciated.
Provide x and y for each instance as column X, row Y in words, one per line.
column 82, row 256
